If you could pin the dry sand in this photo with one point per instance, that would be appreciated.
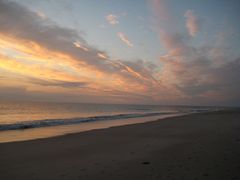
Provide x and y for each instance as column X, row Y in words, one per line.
column 192, row 147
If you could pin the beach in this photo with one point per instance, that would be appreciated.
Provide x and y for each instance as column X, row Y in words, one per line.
column 190, row 147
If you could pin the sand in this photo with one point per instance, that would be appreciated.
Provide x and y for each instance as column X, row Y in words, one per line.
column 191, row 147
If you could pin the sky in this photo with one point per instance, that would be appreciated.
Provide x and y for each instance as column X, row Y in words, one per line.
column 167, row 52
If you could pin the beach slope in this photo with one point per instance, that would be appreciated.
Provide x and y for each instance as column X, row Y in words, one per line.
column 191, row 147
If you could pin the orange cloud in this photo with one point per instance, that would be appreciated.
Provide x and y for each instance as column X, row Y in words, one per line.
column 44, row 70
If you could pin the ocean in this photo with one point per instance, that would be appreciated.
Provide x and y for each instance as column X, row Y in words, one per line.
column 32, row 120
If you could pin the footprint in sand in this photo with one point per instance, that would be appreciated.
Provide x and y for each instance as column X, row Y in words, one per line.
column 146, row 163
column 237, row 140
column 206, row 174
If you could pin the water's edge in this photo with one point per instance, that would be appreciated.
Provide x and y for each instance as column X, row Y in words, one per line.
column 40, row 129
column 58, row 122
column 61, row 130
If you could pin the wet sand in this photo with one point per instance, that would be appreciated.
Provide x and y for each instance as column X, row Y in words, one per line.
column 191, row 147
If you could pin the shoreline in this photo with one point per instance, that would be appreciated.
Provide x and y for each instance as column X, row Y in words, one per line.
column 61, row 130
column 195, row 146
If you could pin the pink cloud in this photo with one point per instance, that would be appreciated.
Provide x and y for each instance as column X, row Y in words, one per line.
column 192, row 23
column 125, row 39
column 160, row 10
column 79, row 45
column 112, row 19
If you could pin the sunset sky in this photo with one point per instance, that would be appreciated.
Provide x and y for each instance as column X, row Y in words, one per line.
column 121, row 51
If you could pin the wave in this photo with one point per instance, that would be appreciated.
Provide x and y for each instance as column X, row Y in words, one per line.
column 58, row 122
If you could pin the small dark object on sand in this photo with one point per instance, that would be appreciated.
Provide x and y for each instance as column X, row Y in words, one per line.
column 145, row 162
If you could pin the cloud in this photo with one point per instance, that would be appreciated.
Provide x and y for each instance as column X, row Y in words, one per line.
column 41, row 14
column 58, row 83
column 102, row 55
column 195, row 74
column 125, row 39
column 79, row 45
column 27, row 28
column 36, row 47
column 22, row 24
column 192, row 23
column 39, row 58
column 112, row 19
column 160, row 10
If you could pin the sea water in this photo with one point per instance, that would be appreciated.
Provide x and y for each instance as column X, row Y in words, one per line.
column 33, row 120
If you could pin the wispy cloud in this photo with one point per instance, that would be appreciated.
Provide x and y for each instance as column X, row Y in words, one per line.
column 40, row 57
column 194, row 74
column 38, row 48
column 112, row 19
column 79, row 45
column 102, row 55
column 41, row 14
column 192, row 23
column 124, row 39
